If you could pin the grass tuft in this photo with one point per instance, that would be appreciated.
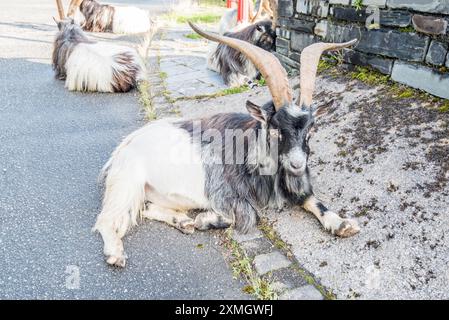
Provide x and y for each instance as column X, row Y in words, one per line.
column 370, row 76
column 358, row 4
column 195, row 18
column 261, row 82
column 218, row 94
column 407, row 29
column 146, row 101
column 242, row 267
column 193, row 36
column 444, row 107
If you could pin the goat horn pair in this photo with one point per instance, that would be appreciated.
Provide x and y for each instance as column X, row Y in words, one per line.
column 60, row 9
column 272, row 70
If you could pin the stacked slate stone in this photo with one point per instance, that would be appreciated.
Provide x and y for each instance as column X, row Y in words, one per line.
column 411, row 45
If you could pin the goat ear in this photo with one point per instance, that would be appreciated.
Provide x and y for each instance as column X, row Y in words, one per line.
column 58, row 22
column 256, row 112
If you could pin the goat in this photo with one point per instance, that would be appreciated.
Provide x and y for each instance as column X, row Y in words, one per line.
column 234, row 67
column 86, row 65
column 108, row 18
column 177, row 165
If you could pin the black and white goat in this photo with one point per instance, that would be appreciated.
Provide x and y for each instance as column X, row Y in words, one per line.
column 234, row 67
column 108, row 18
column 86, row 65
column 179, row 165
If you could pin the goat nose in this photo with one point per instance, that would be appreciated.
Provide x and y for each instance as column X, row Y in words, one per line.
column 295, row 165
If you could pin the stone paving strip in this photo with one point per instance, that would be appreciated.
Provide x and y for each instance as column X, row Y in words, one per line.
column 271, row 263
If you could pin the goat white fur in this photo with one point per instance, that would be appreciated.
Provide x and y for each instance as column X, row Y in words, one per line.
column 141, row 157
column 129, row 20
column 91, row 67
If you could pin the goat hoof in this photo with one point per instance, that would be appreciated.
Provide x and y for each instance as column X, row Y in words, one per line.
column 116, row 261
column 187, row 226
column 348, row 228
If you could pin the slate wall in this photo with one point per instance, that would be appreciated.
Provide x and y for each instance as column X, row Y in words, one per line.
column 412, row 44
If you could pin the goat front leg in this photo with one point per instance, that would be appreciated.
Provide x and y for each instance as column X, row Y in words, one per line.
column 330, row 220
column 212, row 220
column 177, row 219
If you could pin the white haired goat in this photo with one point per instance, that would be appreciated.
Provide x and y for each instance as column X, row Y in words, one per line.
column 87, row 65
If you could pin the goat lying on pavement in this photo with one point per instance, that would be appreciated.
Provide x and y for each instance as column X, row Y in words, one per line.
column 87, row 65
column 107, row 18
column 235, row 68
column 180, row 165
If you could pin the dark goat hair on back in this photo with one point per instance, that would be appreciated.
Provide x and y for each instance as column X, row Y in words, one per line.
column 99, row 17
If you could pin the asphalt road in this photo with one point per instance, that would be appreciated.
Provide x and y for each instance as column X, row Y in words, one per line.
column 52, row 146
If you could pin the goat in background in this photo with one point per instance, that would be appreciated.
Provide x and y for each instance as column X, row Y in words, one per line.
column 86, row 65
column 177, row 165
column 108, row 18
column 234, row 67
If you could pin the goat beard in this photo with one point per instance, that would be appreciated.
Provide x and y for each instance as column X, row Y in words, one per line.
column 295, row 189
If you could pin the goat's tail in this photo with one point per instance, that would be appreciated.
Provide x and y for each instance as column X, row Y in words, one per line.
column 124, row 191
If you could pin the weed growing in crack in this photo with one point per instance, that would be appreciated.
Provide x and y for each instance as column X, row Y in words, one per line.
column 243, row 266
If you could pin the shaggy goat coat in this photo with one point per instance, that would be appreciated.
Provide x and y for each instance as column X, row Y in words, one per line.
column 237, row 191
column 235, row 68
column 86, row 65
column 107, row 18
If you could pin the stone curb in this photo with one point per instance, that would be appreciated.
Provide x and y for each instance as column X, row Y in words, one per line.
column 271, row 264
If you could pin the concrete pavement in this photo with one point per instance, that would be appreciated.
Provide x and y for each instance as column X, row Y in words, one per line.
column 52, row 146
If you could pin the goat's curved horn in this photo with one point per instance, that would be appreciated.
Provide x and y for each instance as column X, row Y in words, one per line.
column 267, row 64
column 60, row 9
column 74, row 4
column 310, row 57
column 259, row 11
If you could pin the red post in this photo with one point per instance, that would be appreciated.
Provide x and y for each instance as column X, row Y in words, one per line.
column 243, row 11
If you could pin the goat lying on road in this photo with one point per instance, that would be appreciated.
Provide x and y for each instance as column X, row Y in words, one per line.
column 87, row 65
column 180, row 165
column 235, row 68
column 107, row 18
